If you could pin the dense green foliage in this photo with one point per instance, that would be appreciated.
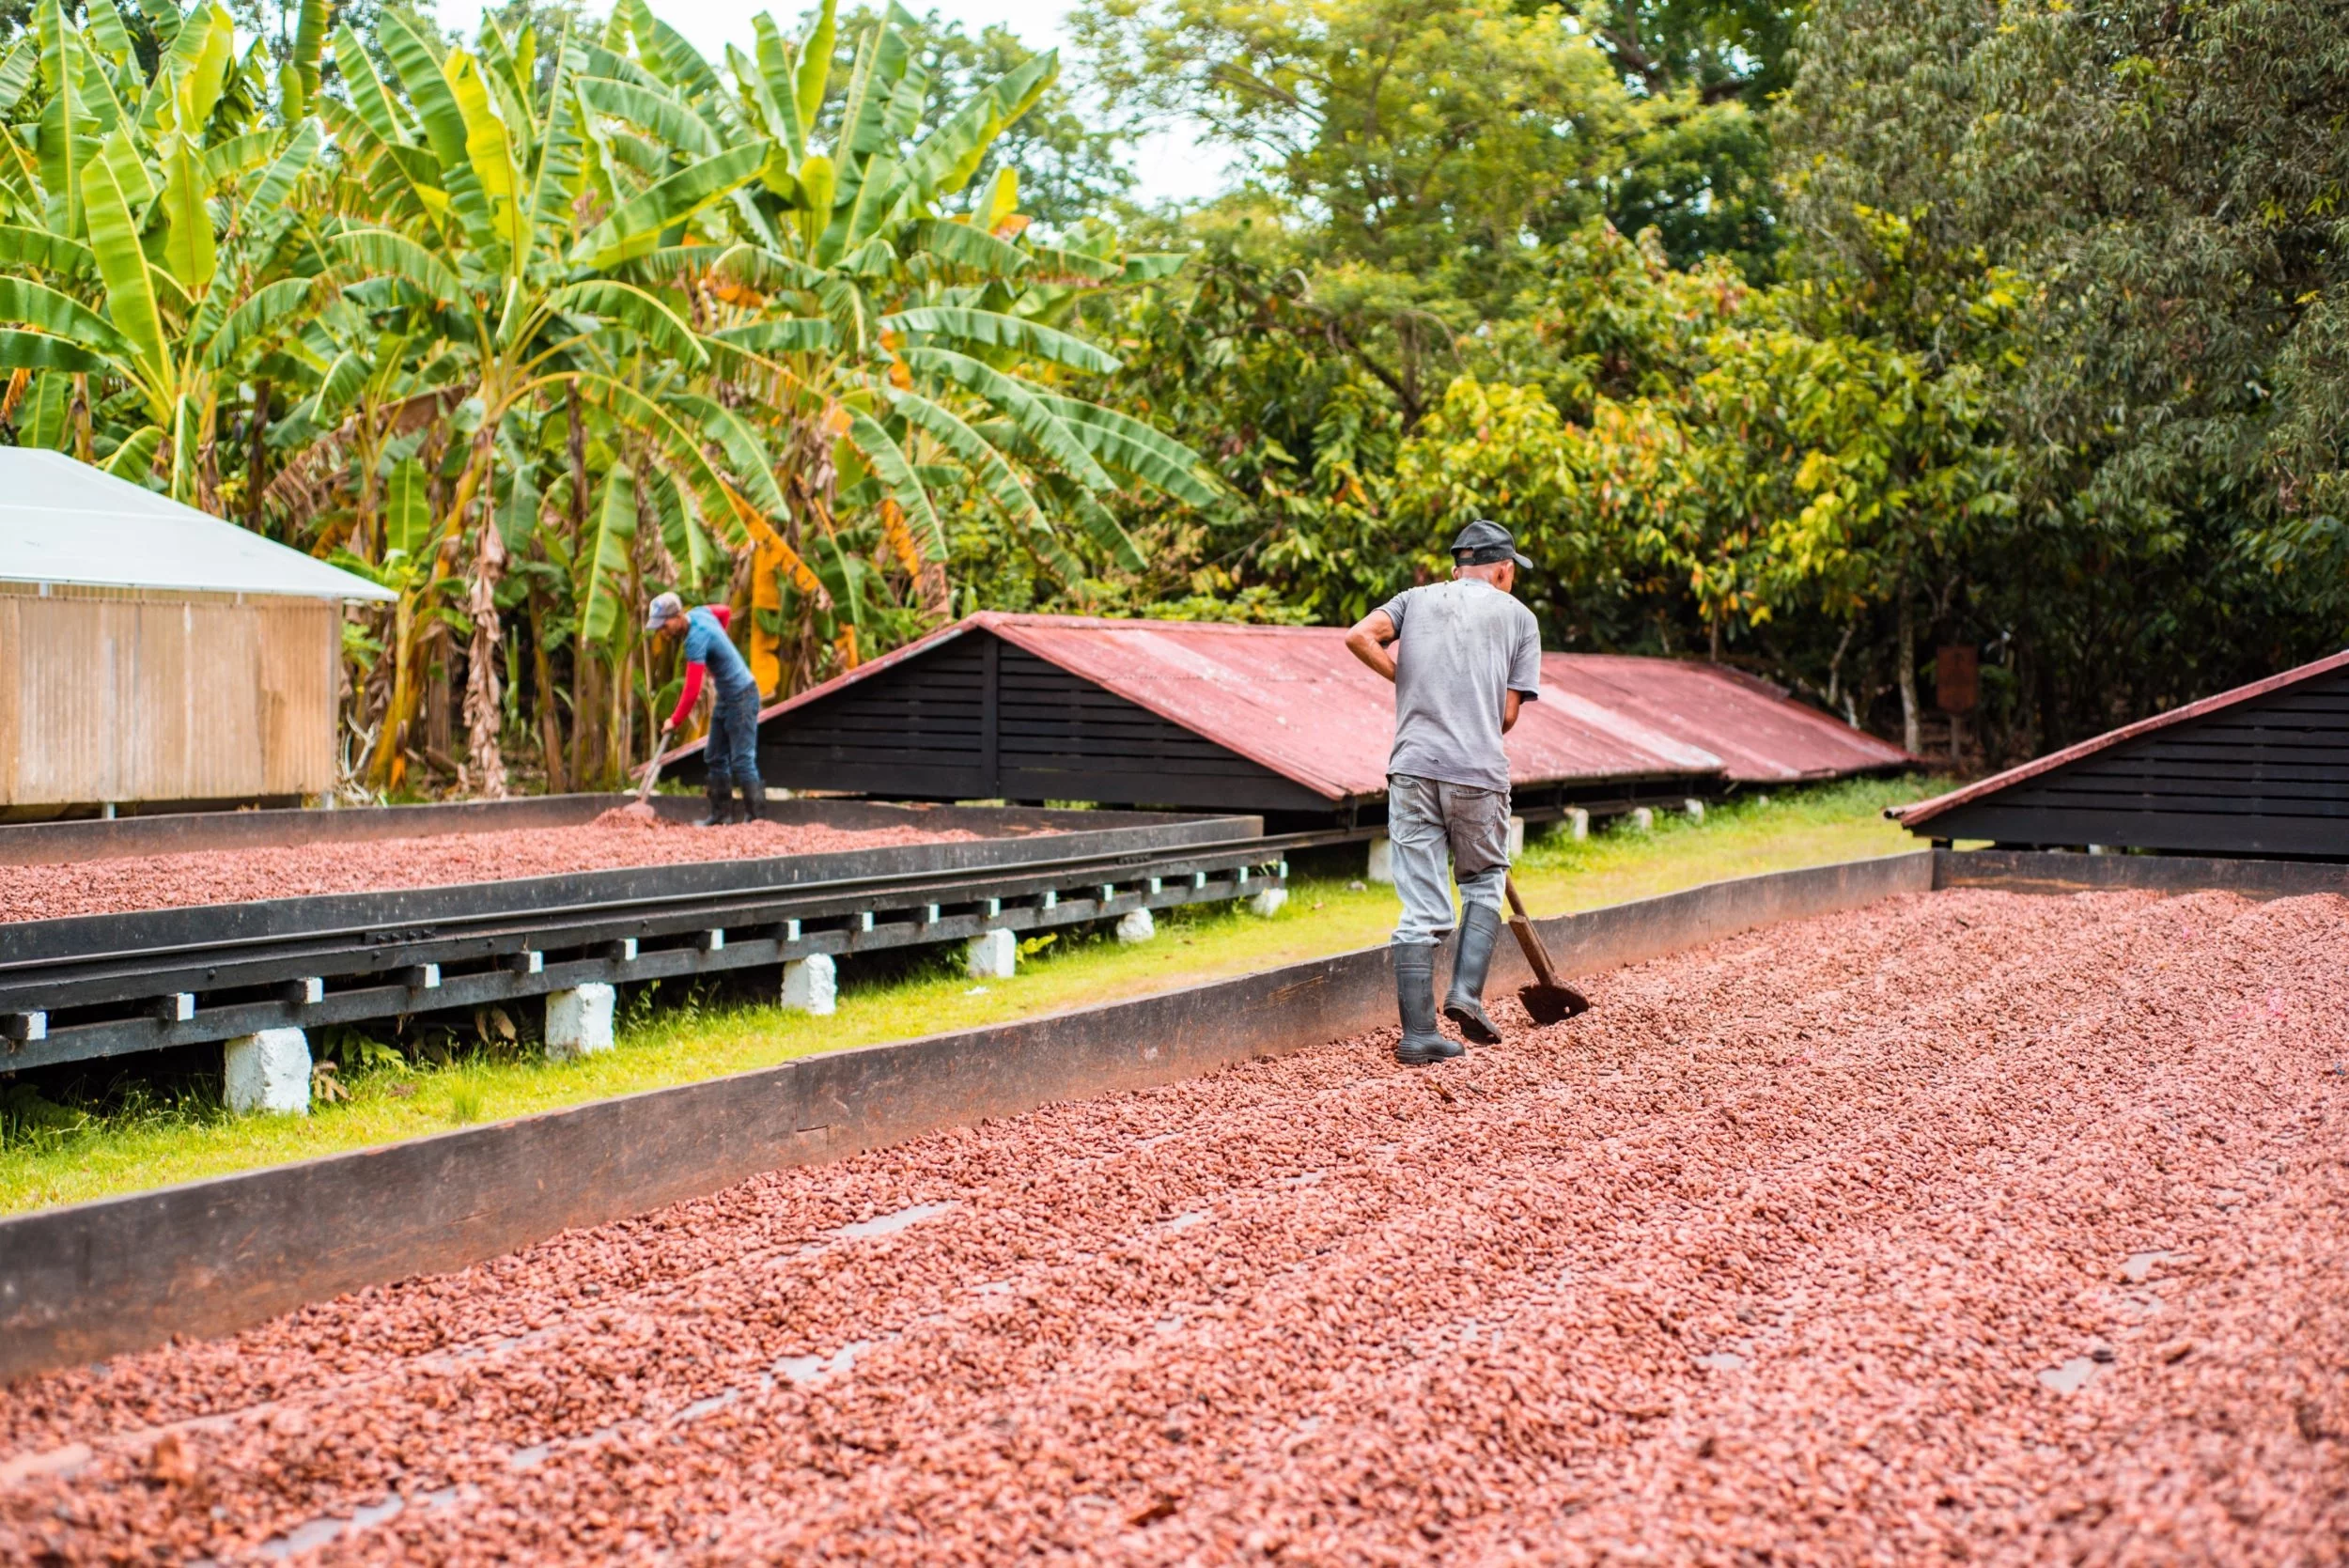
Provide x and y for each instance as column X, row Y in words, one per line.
column 2035, row 341
column 527, row 328
column 1810, row 340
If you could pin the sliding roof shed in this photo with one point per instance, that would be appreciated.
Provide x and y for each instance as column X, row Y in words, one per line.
column 151, row 654
column 2262, row 769
column 1277, row 720
column 1762, row 735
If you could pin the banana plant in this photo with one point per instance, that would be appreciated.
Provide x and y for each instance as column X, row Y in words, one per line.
column 154, row 248
column 894, row 333
column 504, row 235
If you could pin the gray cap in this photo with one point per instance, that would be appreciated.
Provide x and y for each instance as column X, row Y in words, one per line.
column 1486, row 543
column 663, row 606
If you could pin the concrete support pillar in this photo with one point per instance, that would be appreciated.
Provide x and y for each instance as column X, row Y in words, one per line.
column 992, row 956
column 268, row 1071
column 1576, row 823
column 1517, row 838
column 1642, row 821
column 1135, row 926
column 1381, row 860
column 579, row 1021
column 812, row 986
column 1694, row 807
column 1269, row 902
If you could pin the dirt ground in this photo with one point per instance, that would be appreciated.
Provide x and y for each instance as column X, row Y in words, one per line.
column 1969, row 1227
column 236, row 875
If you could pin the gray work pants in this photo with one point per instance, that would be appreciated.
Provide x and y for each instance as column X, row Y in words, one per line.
column 1430, row 822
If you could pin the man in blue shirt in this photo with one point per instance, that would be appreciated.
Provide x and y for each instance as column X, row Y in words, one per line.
column 731, row 753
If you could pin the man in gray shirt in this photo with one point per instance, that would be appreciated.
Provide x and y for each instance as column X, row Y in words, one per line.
column 1463, row 655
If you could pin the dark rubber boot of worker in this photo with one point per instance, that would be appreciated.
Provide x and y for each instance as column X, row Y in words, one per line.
column 1415, row 1000
column 1471, row 955
column 754, row 800
column 721, row 798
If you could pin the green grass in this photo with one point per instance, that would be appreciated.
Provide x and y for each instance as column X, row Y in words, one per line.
column 138, row 1132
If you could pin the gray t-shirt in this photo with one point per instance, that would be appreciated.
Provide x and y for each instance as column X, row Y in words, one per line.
column 1460, row 646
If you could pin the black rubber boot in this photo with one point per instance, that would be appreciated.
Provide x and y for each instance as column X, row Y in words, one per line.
column 721, row 798
column 754, row 800
column 1471, row 955
column 1415, row 1000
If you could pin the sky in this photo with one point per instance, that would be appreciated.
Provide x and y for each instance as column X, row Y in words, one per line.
column 1172, row 163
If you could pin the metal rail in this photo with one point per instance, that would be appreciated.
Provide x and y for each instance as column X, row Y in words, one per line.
column 72, row 1005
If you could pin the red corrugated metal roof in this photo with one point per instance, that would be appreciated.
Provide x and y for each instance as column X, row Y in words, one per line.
column 1925, row 811
column 1760, row 733
column 1293, row 699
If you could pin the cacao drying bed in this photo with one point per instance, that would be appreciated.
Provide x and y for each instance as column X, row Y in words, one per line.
column 208, row 1257
column 95, row 985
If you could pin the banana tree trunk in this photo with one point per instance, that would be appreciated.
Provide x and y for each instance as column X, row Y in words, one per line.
column 484, row 709
column 542, row 681
column 1912, row 720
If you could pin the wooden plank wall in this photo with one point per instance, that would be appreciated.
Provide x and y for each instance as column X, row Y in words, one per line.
column 137, row 697
column 2264, row 777
column 978, row 718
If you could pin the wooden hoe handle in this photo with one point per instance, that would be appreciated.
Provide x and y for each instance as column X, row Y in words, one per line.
column 1522, row 924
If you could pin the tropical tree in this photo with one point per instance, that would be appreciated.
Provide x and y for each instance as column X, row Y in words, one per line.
column 152, row 241
column 893, row 356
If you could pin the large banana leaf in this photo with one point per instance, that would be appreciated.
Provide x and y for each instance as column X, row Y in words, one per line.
column 380, row 253
column 369, row 97
column 1125, row 443
column 974, row 249
column 950, row 155
column 415, row 56
column 1024, row 407
column 889, row 465
column 336, row 390
column 634, row 308
column 1003, row 486
column 299, row 78
column 489, row 153
column 746, row 453
column 103, row 25
column 557, row 185
column 130, row 304
column 44, row 251
column 197, row 67
column 65, row 139
column 815, row 68
column 189, row 256
column 30, row 350
column 657, row 111
column 607, row 551
column 134, row 460
column 993, row 329
column 781, row 334
column 274, row 189
column 17, row 69
column 268, row 314
column 634, row 229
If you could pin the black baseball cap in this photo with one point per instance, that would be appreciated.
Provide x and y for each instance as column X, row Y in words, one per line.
column 1486, row 543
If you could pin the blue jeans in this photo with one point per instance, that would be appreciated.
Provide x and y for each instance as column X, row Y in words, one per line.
column 1429, row 823
column 732, row 754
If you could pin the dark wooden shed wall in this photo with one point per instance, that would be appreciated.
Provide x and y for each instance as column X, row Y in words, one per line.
column 2269, row 776
column 976, row 719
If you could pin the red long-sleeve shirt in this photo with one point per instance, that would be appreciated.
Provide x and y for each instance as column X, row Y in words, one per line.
column 723, row 615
